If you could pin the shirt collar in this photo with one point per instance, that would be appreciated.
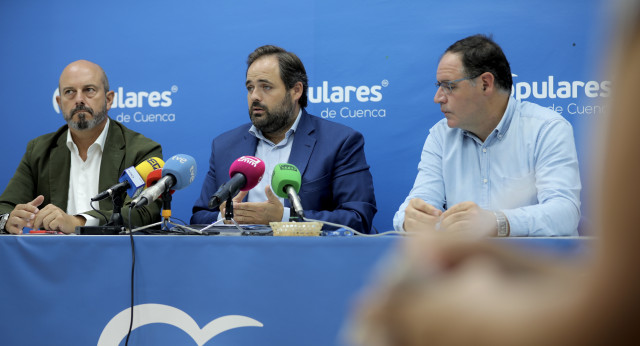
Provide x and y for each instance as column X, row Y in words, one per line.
column 258, row 134
column 503, row 125
column 505, row 122
column 99, row 141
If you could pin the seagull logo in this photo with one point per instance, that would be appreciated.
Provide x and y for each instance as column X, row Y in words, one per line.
column 116, row 330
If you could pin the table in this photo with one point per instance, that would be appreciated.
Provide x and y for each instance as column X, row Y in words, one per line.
column 190, row 290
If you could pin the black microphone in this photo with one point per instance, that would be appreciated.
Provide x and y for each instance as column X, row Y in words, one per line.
column 115, row 189
column 245, row 173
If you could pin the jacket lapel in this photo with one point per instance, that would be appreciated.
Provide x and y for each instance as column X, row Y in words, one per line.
column 112, row 158
column 247, row 146
column 59, row 166
column 303, row 143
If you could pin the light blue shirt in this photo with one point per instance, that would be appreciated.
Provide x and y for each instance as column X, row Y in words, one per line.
column 527, row 168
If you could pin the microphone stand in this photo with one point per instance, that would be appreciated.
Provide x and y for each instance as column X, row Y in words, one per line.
column 293, row 216
column 115, row 225
column 228, row 215
column 166, row 217
column 228, row 211
column 116, row 217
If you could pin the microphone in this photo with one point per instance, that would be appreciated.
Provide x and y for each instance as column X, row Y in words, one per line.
column 285, row 182
column 178, row 172
column 132, row 179
column 154, row 176
column 245, row 173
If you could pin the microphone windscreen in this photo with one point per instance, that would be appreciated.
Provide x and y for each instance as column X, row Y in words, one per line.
column 285, row 174
column 149, row 165
column 251, row 167
column 183, row 169
column 154, row 176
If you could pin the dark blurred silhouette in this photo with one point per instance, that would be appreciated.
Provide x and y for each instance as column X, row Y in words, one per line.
column 443, row 290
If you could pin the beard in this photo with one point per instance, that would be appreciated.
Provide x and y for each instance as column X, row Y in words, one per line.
column 82, row 123
column 272, row 121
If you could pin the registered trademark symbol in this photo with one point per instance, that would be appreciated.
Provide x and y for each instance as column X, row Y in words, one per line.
column 174, row 89
column 385, row 83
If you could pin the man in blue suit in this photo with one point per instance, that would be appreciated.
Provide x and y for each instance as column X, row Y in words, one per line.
column 336, row 183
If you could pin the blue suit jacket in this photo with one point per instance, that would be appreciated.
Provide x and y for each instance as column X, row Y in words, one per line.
column 336, row 183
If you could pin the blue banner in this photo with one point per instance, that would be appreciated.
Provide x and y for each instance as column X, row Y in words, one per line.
column 178, row 69
column 192, row 290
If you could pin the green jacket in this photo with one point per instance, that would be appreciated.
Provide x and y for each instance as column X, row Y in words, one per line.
column 44, row 170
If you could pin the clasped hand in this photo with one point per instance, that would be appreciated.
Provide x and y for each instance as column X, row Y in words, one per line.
column 465, row 217
column 50, row 218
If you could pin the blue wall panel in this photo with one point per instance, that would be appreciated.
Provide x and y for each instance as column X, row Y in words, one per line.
column 195, row 53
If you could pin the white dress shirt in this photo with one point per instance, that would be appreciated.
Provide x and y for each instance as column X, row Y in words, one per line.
column 84, row 176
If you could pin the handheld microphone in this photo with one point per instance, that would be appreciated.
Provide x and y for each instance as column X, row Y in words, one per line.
column 245, row 173
column 285, row 182
column 153, row 178
column 132, row 179
column 178, row 172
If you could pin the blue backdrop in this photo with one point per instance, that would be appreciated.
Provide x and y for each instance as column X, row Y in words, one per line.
column 191, row 56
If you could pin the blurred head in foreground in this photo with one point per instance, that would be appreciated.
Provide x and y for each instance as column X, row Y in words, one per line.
column 441, row 290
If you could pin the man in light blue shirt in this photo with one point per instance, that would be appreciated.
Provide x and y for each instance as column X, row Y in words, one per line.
column 495, row 166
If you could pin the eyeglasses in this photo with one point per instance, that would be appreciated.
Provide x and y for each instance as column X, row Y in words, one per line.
column 447, row 87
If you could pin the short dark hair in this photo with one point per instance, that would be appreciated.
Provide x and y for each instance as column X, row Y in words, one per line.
column 291, row 68
column 481, row 54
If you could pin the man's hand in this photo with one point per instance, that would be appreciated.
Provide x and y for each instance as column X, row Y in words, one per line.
column 469, row 218
column 53, row 218
column 236, row 200
column 257, row 212
column 420, row 216
column 22, row 216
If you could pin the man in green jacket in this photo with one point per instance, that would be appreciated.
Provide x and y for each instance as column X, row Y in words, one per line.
column 61, row 171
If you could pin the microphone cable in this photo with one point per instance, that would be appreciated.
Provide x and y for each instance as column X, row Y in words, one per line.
column 99, row 212
column 133, row 267
column 353, row 230
column 175, row 218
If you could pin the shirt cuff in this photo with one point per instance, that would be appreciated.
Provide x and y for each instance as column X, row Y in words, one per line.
column 286, row 213
column 91, row 221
